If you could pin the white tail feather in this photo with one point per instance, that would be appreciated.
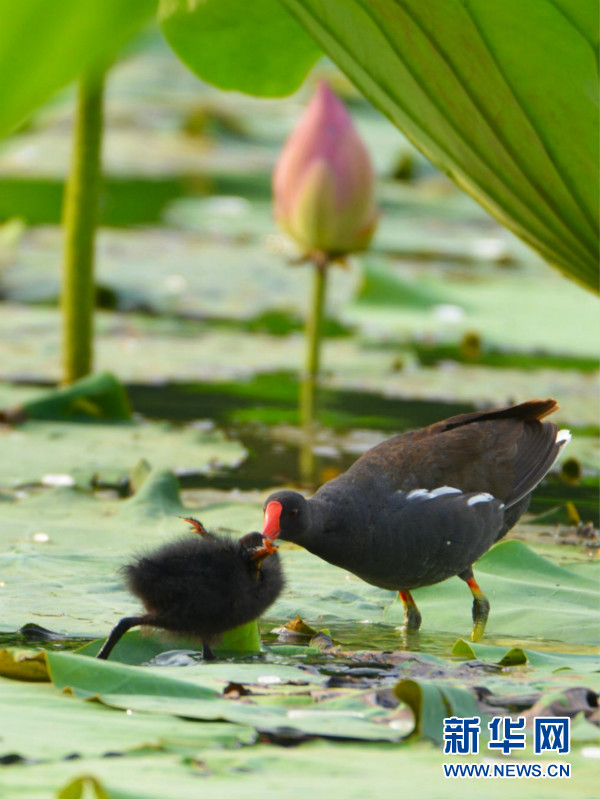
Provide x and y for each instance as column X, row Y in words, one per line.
column 563, row 437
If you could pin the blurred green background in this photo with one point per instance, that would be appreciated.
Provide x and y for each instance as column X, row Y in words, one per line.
column 201, row 316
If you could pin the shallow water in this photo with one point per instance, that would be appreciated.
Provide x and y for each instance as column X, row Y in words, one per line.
column 348, row 636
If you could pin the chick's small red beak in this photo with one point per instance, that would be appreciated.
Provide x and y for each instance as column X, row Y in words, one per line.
column 271, row 528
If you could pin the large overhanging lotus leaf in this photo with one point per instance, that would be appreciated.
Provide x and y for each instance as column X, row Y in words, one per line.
column 502, row 97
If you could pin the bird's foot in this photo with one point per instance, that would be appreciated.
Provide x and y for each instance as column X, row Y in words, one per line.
column 481, row 606
column 412, row 620
column 481, row 611
column 207, row 653
column 197, row 526
column 412, row 617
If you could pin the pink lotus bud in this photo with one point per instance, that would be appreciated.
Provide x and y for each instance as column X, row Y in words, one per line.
column 323, row 182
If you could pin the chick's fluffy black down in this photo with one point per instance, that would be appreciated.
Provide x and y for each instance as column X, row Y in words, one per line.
column 203, row 586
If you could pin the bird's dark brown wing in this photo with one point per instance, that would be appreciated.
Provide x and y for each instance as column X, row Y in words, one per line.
column 529, row 411
column 505, row 452
column 536, row 442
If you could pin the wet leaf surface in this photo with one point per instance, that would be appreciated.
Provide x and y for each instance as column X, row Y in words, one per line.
column 107, row 451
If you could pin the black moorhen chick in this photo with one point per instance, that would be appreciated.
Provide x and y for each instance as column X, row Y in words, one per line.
column 202, row 586
column 424, row 506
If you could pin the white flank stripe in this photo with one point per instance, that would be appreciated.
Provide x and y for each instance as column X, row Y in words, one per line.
column 480, row 498
column 417, row 492
column 439, row 492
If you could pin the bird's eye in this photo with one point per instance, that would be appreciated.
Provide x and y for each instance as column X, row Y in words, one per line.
column 294, row 512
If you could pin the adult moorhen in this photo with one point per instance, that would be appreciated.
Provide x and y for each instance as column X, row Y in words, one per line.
column 424, row 506
column 202, row 586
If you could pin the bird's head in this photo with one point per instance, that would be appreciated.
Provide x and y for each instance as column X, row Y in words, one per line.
column 286, row 515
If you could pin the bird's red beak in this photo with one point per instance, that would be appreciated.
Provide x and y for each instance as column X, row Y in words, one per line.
column 272, row 515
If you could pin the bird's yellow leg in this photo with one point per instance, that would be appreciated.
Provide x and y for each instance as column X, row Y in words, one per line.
column 412, row 617
column 481, row 608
